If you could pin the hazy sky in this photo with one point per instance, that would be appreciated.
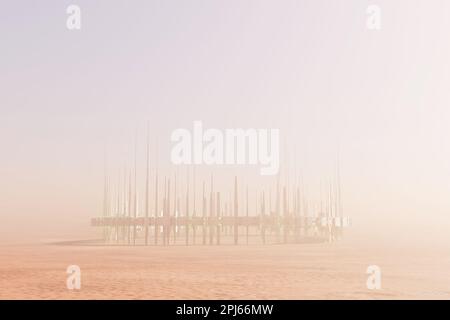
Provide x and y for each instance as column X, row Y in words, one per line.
column 310, row 68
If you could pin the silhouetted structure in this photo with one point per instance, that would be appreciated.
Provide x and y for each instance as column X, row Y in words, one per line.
column 289, row 222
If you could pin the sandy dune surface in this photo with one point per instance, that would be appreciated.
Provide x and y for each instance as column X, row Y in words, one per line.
column 307, row 271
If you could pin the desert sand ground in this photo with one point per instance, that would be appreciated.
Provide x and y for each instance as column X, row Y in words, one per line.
column 293, row 271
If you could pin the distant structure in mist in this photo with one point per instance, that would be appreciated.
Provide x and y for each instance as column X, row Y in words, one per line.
column 171, row 214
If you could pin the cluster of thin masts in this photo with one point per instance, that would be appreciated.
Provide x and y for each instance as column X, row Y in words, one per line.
column 289, row 216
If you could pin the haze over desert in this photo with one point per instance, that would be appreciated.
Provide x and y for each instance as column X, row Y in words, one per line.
column 292, row 271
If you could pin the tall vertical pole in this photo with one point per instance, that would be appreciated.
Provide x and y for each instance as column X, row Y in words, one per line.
column 277, row 213
column 211, row 213
column 123, row 225
column 194, row 214
column 135, row 192
column 156, row 214
column 116, row 227
column 236, row 208
column 330, row 219
column 339, row 196
column 167, row 216
column 175, row 211
column 263, row 214
column 204, row 214
column 218, row 215
column 187, row 225
column 298, row 214
column 247, row 213
column 105, row 200
column 147, row 187
column 129, row 209
column 285, row 214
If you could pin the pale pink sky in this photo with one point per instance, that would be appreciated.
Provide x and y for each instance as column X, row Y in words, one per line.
column 310, row 68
